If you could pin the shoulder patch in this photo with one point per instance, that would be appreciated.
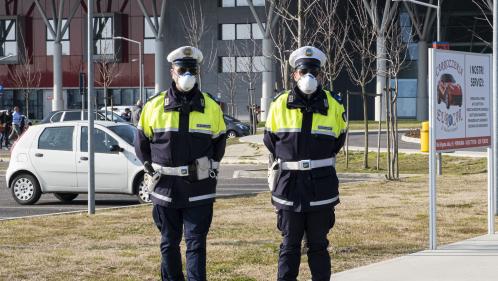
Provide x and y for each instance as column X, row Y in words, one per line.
column 335, row 95
column 279, row 95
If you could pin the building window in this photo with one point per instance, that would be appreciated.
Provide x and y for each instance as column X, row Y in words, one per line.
column 8, row 38
column 64, row 41
column 149, row 37
column 241, row 64
column 240, row 31
column 241, row 3
column 104, row 44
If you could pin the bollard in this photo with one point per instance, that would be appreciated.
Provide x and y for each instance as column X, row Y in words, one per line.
column 424, row 137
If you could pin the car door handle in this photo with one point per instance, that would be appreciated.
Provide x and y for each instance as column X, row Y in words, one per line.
column 84, row 158
column 38, row 154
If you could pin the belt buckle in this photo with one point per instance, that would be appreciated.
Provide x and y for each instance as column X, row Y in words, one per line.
column 305, row 165
column 184, row 171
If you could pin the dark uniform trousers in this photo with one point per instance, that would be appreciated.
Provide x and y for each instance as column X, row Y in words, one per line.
column 316, row 225
column 171, row 222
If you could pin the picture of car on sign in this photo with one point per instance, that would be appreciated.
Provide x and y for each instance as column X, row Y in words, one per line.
column 449, row 91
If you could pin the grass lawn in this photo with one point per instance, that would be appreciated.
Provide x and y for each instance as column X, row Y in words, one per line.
column 411, row 164
column 374, row 125
column 375, row 221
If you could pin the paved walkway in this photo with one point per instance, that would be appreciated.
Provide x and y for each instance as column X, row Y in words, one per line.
column 470, row 260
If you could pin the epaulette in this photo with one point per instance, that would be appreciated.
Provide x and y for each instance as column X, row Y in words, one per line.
column 154, row 96
column 336, row 96
column 211, row 96
column 281, row 93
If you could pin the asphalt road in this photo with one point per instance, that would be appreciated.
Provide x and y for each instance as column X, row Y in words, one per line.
column 48, row 204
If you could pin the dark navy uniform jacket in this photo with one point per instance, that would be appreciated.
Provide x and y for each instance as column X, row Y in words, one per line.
column 174, row 130
column 297, row 129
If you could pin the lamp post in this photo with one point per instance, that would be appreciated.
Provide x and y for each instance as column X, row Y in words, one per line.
column 140, row 61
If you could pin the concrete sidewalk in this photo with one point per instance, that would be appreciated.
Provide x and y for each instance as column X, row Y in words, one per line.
column 470, row 260
column 258, row 139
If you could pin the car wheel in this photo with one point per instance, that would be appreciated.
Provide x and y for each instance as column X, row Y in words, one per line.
column 142, row 194
column 231, row 134
column 25, row 189
column 66, row 197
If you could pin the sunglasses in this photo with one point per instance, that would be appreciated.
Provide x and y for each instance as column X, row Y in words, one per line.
column 312, row 71
column 182, row 70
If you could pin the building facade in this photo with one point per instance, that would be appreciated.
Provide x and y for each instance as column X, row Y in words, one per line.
column 230, row 40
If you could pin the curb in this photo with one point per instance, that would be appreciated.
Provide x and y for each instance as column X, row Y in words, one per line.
column 410, row 139
column 262, row 174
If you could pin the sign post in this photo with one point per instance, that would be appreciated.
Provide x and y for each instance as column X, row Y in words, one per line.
column 459, row 113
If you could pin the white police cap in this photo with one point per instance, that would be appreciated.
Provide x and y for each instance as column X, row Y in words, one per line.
column 307, row 55
column 185, row 54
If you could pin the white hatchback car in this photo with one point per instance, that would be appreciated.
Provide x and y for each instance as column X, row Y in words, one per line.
column 53, row 158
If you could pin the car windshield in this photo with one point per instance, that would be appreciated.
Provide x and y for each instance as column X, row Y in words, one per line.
column 126, row 132
column 447, row 78
column 114, row 117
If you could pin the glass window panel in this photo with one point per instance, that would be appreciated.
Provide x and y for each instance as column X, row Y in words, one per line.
column 407, row 88
column 242, row 3
column 12, row 32
column 228, row 32
column 149, row 46
column 65, row 48
column 407, row 107
column 127, row 97
column 412, row 51
column 56, row 138
column 103, row 141
column 243, row 64
column 228, row 3
column 147, row 30
column 258, row 2
column 228, row 64
column 66, row 34
column 103, row 27
column 10, row 48
column 256, row 31
column 258, row 64
column 243, row 31
column 105, row 47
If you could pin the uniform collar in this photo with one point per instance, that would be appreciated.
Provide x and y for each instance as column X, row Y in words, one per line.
column 318, row 102
column 174, row 100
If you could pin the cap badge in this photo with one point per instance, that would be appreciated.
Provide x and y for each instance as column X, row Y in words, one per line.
column 187, row 52
column 308, row 52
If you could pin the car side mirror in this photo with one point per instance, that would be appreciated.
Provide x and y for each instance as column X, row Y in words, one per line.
column 116, row 148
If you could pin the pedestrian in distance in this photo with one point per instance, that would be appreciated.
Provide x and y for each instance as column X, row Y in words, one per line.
column 126, row 115
column 135, row 113
column 16, row 124
column 181, row 140
column 304, row 131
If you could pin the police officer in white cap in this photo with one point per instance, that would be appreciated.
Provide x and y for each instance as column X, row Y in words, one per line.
column 305, row 129
column 181, row 140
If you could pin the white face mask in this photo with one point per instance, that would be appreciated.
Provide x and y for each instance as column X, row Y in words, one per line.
column 186, row 82
column 307, row 84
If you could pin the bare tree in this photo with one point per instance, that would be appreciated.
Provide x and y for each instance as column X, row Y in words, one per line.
column 251, row 72
column 397, row 53
column 380, row 15
column 332, row 34
column 486, row 8
column 25, row 75
column 228, row 67
column 108, row 70
column 195, row 27
column 360, row 59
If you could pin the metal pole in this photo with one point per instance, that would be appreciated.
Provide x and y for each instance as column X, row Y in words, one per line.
column 495, row 99
column 438, row 20
column 141, row 67
column 91, row 160
column 432, row 158
column 491, row 194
